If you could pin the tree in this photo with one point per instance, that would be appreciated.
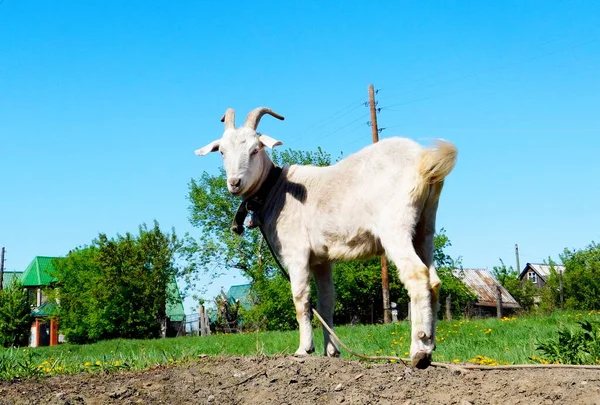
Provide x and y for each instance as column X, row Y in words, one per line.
column 117, row 287
column 450, row 272
column 581, row 278
column 509, row 278
column 15, row 316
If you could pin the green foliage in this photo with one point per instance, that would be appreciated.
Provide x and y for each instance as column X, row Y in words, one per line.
column 15, row 315
column 452, row 285
column 117, row 287
column 359, row 294
column 579, row 346
column 509, row 278
column 581, row 279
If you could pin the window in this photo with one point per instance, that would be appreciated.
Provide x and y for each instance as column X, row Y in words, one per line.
column 532, row 276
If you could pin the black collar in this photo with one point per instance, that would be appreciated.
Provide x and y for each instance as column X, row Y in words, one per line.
column 257, row 201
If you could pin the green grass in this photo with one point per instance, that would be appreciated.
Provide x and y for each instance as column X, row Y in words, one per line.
column 496, row 341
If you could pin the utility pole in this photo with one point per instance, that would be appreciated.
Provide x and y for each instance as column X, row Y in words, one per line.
column 518, row 261
column 1, row 268
column 385, row 281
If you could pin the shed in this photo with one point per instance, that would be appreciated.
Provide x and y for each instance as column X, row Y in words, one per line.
column 485, row 286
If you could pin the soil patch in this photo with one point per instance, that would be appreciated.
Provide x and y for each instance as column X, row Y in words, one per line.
column 314, row 380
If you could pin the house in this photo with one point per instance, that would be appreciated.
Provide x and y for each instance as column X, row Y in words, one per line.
column 486, row 287
column 539, row 273
column 38, row 280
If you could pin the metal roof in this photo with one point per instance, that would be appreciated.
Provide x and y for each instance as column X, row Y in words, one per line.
column 242, row 293
column 543, row 270
column 174, row 307
column 38, row 272
column 8, row 276
column 484, row 285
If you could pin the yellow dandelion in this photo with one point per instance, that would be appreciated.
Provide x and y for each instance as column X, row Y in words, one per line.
column 87, row 364
column 456, row 360
column 98, row 363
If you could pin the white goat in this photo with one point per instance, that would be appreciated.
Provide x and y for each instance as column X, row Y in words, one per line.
column 382, row 199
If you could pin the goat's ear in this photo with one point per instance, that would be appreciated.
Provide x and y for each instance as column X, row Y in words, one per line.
column 211, row 147
column 268, row 141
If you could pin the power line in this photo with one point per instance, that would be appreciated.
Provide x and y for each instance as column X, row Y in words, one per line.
column 345, row 126
column 492, row 69
column 329, row 119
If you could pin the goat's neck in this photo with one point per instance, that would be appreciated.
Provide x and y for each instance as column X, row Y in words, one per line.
column 268, row 165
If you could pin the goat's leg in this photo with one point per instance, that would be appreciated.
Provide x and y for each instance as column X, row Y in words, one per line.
column 299, row 279
column 423, row 244
column 326, row 302
column 415, row 277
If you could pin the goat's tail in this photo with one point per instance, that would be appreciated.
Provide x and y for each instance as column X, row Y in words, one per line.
column 437, row 162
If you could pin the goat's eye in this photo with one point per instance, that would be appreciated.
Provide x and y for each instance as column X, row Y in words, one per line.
column 221, row 152
column 255, row 151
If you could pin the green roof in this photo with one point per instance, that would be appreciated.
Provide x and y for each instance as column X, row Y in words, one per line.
column 38, row 272
column 46, row 309
column 240, row 292
column 174, row 307
column 8, row 276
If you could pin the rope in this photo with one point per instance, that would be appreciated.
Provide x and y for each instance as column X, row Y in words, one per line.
column 450, row 366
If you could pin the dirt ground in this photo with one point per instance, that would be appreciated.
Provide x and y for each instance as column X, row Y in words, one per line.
column 314, row 380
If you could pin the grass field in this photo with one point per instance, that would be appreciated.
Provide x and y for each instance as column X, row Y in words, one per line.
column 485, row 341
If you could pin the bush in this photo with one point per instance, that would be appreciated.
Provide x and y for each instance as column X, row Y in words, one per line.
column 579, row 346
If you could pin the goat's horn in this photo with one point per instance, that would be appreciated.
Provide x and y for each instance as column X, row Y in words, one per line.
column 255, row 115
column 229, row 118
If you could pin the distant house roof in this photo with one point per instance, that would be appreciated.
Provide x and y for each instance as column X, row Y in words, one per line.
column 38, row 272
column 8, row 276
column 484, row 285
column 174, row 309
column 240, row 292
column 543, row 270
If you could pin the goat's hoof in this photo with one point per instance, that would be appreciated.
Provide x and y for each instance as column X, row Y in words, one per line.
column 303, row 352
column 421, row 360
column 332, row 352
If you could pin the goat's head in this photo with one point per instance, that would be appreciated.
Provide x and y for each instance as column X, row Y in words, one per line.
column 245, row 160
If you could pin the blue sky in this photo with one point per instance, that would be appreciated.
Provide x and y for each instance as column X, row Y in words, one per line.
column 103, row 103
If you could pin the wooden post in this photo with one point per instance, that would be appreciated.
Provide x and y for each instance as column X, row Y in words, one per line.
column 499, row 302
column 204, row 323
column 385, row 281
column 53, row 331
column 37, row 333
column 1, row 268
column 449, row 307
column 560, row 287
